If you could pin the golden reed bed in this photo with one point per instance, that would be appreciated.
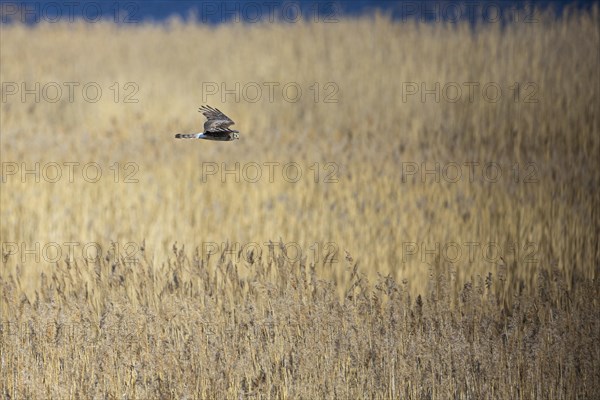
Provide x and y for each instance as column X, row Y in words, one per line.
column 411, row 210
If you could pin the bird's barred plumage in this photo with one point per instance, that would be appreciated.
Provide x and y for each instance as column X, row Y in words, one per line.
column 216, row 127
column 186, row 135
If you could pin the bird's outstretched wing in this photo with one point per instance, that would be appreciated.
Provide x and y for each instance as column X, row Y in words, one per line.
column 219, row 132
column 215, row 119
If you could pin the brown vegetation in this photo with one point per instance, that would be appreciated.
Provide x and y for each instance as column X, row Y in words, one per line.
column 156, row 316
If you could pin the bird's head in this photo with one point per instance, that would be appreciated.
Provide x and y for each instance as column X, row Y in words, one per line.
column 236, row 135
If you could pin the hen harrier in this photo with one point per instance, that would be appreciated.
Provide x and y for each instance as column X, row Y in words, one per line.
column 216, row 127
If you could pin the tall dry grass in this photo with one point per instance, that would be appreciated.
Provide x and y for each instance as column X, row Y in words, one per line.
column 379, row 322
column 113, row 330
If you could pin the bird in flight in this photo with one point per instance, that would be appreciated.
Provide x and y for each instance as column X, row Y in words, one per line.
column 216, row 127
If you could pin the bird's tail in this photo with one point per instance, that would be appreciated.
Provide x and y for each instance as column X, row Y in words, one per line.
column 186, row 136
